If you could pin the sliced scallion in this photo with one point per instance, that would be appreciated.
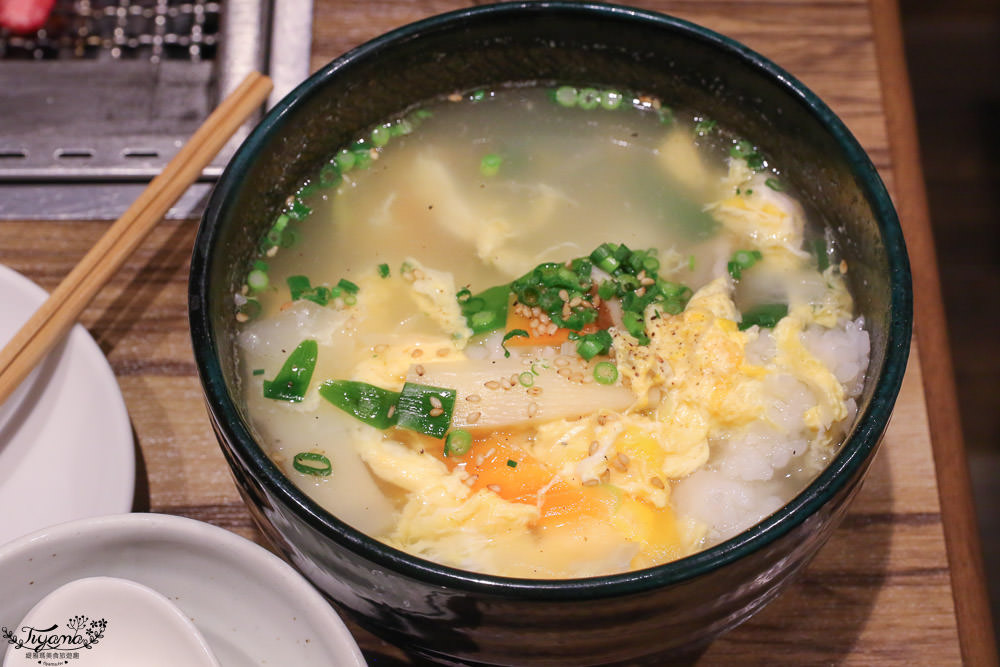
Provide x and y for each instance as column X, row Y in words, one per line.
column 312, row 463
column 605, row 372
column 425, row 409
column 373, row 405
column 292, row 381
column 458, row 443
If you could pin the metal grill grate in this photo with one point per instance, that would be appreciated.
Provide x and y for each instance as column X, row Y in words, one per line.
column 151, row 30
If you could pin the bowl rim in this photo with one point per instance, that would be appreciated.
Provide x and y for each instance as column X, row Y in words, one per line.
column 849, row 460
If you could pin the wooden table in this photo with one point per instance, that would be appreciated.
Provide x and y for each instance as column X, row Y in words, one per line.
column 899, row 583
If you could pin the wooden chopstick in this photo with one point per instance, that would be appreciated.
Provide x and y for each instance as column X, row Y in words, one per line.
column 59, row 312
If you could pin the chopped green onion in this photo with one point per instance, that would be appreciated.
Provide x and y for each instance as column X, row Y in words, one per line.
column 490, row 164
column 741, row 261
column 526, row 379
column 704, row 126
column 487, row 310
column 383, row 270
column 344, row 160
column 513, row 333
column 766, row 316
column 425, row 409
column 303, row 462
column 298, row 210
column 635, row 326
column 478, row 96
column 594, row 344
column 666, row 115
column 329, row 175
column 292, row 380
column 611, row 99
column 690, row 262
column 347, row 286
column 589, row 98
column 373, row 405
column 605, row 372
column 458, row 443
column 566, row 96
column 511, row 463
column 257, row 280
column 382, row 134
column 258, row 371
column 774, row 184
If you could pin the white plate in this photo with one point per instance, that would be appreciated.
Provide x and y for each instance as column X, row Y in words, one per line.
column 251, row 606
column 66, row 447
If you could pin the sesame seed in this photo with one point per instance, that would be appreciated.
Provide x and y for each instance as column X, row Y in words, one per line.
column 506, row 383
column 443, row 352
column 606, row 476
column 474, row 417
column 602, row 420
column 657, row 482
column 535, row 391
column 419, row 370
column 564, row 295
column 272, row 251
column 843, row 266
column 576, row 301
column 455, row 97
column 436, row 412
column 623, row 459
column 495, row 488
column 435, row 401
column 641, row 291
column 647, row 281
column 532, row 409
column 491, row 384
column 593, row 448
column 562, row 361
column 392, row 411
column 565, row 372
column 577, row 377
column 591, row 482
column 473, row 398
column 242, row 317
column 417, row 353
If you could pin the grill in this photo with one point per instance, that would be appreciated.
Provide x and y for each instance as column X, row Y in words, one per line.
column 153, row 30
column 96, row 102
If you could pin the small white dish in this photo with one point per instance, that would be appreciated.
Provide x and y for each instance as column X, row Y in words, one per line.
column 66, row 446
column 251, row 607
column 147, row 628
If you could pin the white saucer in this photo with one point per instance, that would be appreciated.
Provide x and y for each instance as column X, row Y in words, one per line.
column 66, row 446
column 252, row 608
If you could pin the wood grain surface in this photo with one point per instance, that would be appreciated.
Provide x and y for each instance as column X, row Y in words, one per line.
column 880, row 592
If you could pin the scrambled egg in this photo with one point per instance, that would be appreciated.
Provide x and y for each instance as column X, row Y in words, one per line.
column 592, row 495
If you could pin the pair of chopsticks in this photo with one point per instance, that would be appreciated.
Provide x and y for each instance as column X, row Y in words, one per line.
column 59, row 312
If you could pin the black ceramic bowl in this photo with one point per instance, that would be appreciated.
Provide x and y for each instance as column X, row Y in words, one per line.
column 462, row 616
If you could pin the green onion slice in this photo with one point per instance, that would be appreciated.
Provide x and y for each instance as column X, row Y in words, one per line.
column 292, row 380
column 311, row 463
column 766, row 316
column 373, row 405
column 458, row 443
column 425, row 409
column 605, row 372
column 513, row 333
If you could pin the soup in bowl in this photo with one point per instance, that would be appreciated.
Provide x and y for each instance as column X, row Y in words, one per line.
column 573, row 324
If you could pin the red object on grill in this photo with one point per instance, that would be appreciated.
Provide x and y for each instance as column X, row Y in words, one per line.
column 24, row 16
